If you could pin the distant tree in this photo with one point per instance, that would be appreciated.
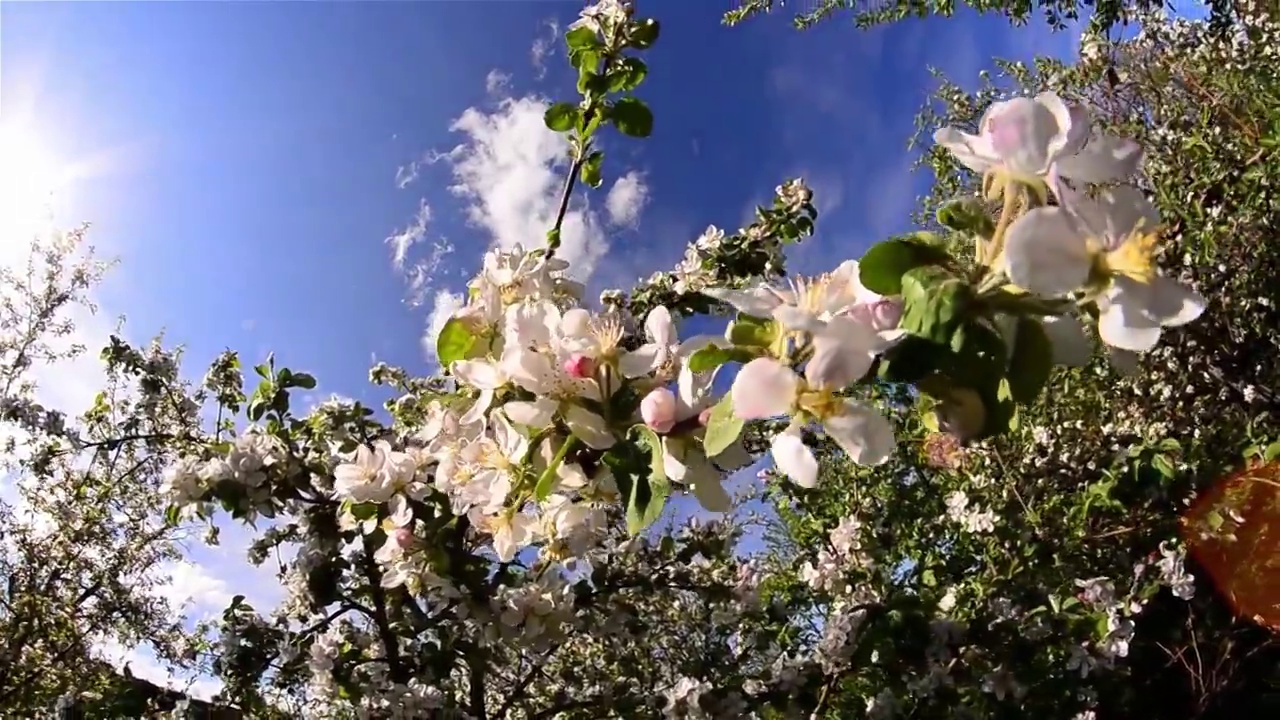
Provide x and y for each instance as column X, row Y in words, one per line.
column 82, row 526
column 1102, row 15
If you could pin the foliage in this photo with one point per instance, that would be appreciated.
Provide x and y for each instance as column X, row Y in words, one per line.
column 82, row 521
column 978, row 504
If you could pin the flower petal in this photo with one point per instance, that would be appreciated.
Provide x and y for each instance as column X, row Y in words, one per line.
column 476, row 412
column 641, row 361
column 794, row 459
column 973, row 151
column 1073, row 123
column 1124, row 324
column 764, row 388
column 842, row 354
column 1046, row 253
column 1104, row 158
column 479, row 374
column 659, row 327
column 1171, row 303
column 1126, row 209
column 862, row 432
column 589, row 427
column 536, row 414
column 756, row 302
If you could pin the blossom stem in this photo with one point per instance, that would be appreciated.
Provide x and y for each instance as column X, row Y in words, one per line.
column 549, row 475
column 1007, row 211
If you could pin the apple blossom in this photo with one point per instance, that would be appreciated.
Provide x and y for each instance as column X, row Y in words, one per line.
column 1110, row 244
column 766, row 388
column 1031, row 137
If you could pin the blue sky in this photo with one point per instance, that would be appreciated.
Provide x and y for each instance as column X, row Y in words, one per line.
column 252, row 164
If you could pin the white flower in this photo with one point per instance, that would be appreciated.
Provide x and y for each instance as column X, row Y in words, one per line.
column 511, row 531
column 483, row 375
column 806, row 304
column 556, row 391
column 766, row 388
column 1055, row 250
column 661, row 350
column 1031, row 137
column 373, row 474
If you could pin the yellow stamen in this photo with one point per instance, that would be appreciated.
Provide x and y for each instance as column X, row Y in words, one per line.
column 819, row 403
column 1135, row 258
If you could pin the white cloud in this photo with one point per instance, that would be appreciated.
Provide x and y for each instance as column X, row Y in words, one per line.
column 626, row 199
column 497, row 83
column 411, row 235
column 511, row 173
column 423, row 273
column 445, row 305
column 406, row 174
column 188, row 584
column 542, row 47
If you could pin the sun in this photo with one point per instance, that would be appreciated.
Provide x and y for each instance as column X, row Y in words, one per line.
column 30, row 180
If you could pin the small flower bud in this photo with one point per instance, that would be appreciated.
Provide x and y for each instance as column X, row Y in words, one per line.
column 404, row 538
column 704, row 417
column 658, row 409
column 579, row 366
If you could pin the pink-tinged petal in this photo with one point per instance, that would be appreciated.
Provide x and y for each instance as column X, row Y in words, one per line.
column 1021, row 131
column 764, row 388
column 794, row 459
column 862, row 432
column 1046, row 253
column 658, row 410
column 794, row 318
column 1073, row 123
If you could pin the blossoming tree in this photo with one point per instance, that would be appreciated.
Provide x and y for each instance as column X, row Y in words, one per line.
column 490, row 550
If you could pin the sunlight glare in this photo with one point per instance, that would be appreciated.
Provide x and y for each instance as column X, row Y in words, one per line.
column 29, row 181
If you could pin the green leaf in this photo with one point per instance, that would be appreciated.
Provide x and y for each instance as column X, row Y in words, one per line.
column 454, row 342
column 591, row 176
column 263, row 370
column 966, row 215
column 1272, row 451
column 581, row 38
column 363, row 511
column 561, row 116
column 752, row 331
column 650, row 439
column 934, row 303
column 306, row 381
column 645, row 34
column 1031, row 362
column 628, row 75
column 1164, row 466
column 646, row 494
column 713, row 356
column 632, row 117
column 882, row 267
column 723, row 427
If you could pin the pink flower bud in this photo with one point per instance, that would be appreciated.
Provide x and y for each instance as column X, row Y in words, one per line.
column 704, row 417
column 579, row 366
column 658, row 409
column 404, row 538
